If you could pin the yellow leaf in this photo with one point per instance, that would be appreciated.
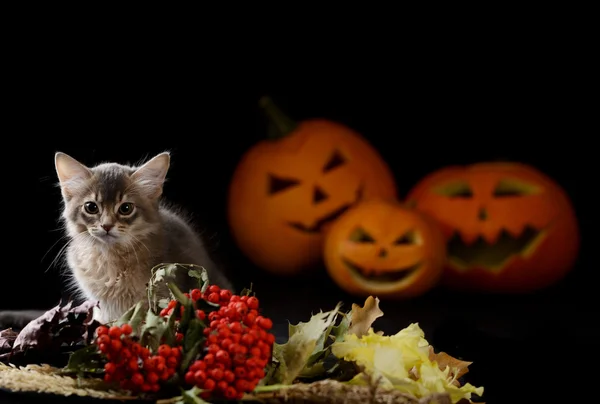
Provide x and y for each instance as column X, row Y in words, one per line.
column 401, row 361
column 363, row 317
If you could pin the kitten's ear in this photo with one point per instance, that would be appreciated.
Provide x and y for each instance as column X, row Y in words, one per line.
column 151, row 176
column 71, row 173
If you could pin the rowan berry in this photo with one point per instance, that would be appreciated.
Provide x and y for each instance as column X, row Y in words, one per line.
column 137, row 379
column 222, row 386
column 103, row 339
column 189, row 377
column 101, row 330
column 222, row 356
column 110, row 368
column 231, row 393
column 209, row 384
column 200, row 377
column 209, row 359
column 164, row 350
column 228, row 376
column 116, row 345
column 252, row 303
column 196, row 294
column 265, row 323
column 114, row 332
column 214, row 289
column 213, row 297
column 126, row 329
column 225, row 295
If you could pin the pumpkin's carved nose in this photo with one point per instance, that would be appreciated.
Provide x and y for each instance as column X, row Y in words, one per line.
column 319, row 195
column 482, row 215
column 382, row 253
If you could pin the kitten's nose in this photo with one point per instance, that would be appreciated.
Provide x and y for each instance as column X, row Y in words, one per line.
column 107, row 227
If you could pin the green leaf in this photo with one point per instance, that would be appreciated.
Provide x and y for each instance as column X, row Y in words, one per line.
column 137, row 318
column 153, row 330
column 170, row 331
column 85, row 360
column 295, row 353
column 338, row 332
column 313, row 367
column 313, row 371
column 248, row 291
column 125, row 317
column 163, row 303
column 189, row 356
column 206, row 306
column 342, row 370
column 192, row 396
column 179, row 296
column 202, row 275
column 158, row 275
column 193, row 334
column 270, row 373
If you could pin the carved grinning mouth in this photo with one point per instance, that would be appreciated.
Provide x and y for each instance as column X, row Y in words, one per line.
column 394, row 275
column 491, row 255
column 318, row 225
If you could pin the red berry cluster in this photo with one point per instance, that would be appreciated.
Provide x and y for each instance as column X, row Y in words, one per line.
column 131, row 364
column 213, row 294
column 238, row 344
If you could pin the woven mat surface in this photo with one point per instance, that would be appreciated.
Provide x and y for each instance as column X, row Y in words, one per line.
column 45, row 379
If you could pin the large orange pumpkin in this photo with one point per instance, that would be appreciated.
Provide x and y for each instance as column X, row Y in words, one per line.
column 509, row 227
column 286, row 190
column 384, row 249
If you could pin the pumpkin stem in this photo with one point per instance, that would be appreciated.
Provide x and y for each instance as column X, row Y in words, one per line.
column 280, row 125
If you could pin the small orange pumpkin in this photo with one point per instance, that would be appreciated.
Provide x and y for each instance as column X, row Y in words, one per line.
column 509, row 227
column 384, row 249
column 286, row 190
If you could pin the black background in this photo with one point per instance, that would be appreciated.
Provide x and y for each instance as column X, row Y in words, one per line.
column 531, row 105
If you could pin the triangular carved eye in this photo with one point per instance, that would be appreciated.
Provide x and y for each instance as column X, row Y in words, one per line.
column 334, row 161
column 406, row 239
column 360, row 235
column 278, row 184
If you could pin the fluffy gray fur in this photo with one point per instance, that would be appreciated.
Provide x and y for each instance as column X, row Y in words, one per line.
column 118, row 229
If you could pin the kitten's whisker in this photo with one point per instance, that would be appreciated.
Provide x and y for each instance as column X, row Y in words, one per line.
column 139, row 241
column 57, row 241
column 63, row 250
column 130, row 243
column 62, row 228
column 59, row 255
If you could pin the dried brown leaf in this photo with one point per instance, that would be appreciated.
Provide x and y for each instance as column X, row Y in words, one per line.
column 363, row 317
column 458, row 368
column 413, row 373
column 7, row 339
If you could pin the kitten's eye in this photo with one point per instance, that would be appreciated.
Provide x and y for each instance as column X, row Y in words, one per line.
column 91, row 208
column 126, row 208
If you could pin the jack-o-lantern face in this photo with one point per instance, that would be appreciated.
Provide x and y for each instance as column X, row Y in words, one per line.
column 509, row 227
column 285, row 192
column 288, row 189
column 381, row 248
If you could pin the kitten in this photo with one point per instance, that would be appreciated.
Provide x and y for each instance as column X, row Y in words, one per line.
column 118, row 229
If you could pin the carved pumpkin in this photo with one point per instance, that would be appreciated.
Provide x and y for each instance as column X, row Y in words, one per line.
column 286, row 190
column 384, row 249
column 509, row 227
